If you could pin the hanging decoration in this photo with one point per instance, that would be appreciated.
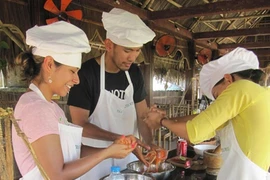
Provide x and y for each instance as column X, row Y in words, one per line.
column 165, row 45
column 204, row 56
column 62, row 14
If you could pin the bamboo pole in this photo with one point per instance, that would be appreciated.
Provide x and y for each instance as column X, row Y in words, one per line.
column 29, row 146
column 3, row 165
column 9, row 151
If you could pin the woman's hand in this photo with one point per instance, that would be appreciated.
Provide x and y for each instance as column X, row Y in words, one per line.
column 122, row 147
column 119, row 151
column 128, row 140
column 138, row 150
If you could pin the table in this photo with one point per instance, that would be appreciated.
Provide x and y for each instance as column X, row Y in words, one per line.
column 187, row 174
column 182, row 173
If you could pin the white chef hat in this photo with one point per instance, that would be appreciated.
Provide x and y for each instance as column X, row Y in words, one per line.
column 61, row 40
column 126, row 29
column 239, row 59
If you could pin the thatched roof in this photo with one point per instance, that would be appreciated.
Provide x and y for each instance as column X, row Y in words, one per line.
column 216, row 24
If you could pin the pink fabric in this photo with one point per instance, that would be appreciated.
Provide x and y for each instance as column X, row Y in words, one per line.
column 38, row 118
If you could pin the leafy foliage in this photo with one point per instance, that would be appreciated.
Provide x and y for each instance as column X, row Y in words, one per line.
column 3, row 62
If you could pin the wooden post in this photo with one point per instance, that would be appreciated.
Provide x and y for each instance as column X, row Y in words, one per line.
column 147, row 70
column 37, row 11
column 189, row 74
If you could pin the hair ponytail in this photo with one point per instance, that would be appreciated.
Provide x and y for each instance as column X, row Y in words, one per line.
column 30, row 64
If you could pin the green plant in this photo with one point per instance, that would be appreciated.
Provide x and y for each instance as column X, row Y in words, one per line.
column 3, row 62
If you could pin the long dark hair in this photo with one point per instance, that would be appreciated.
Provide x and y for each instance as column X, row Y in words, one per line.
column 254, row 75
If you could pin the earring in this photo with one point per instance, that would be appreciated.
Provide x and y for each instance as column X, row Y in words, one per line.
column 50, row 80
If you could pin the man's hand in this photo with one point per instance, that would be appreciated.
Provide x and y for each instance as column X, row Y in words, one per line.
column 153, row 119
column 155, row 109
column 138, row 153
column 154, row 147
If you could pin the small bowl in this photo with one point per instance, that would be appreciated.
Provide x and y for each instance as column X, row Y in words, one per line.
column 164, row 169
column 200, row 148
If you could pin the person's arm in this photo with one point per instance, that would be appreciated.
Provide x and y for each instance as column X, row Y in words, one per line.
column 80, row 99
column 183, row 118
column 144, row 130
column 162, row 112
column 232, row 101
column 49, row 153
column 177, row 125
column 80, row 116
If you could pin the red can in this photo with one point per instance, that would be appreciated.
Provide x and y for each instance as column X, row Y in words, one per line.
column 182, row 147
column 187, row 164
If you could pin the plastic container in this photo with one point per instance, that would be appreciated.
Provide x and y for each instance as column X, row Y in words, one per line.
column 115, row 174
column 199, row 149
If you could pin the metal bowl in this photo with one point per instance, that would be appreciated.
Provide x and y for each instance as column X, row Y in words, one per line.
column 132, row 176
column 164, row 169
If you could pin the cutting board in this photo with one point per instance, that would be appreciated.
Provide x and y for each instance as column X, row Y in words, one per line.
column 195, row 165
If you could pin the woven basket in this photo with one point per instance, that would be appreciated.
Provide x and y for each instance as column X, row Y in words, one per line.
column 6, row 151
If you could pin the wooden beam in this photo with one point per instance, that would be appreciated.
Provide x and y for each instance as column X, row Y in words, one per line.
column 253, row 45
column 91, row 21
column 100, row 5
column 18, row 2
column 262, row 52
column 162, row 25
column 109, row 4
column 232, row 33
column 206, row 44
column 263, row 59
column 211, row 9
column 158, row 25
column 211, row 20
column 169, row 28
column 36, row 12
